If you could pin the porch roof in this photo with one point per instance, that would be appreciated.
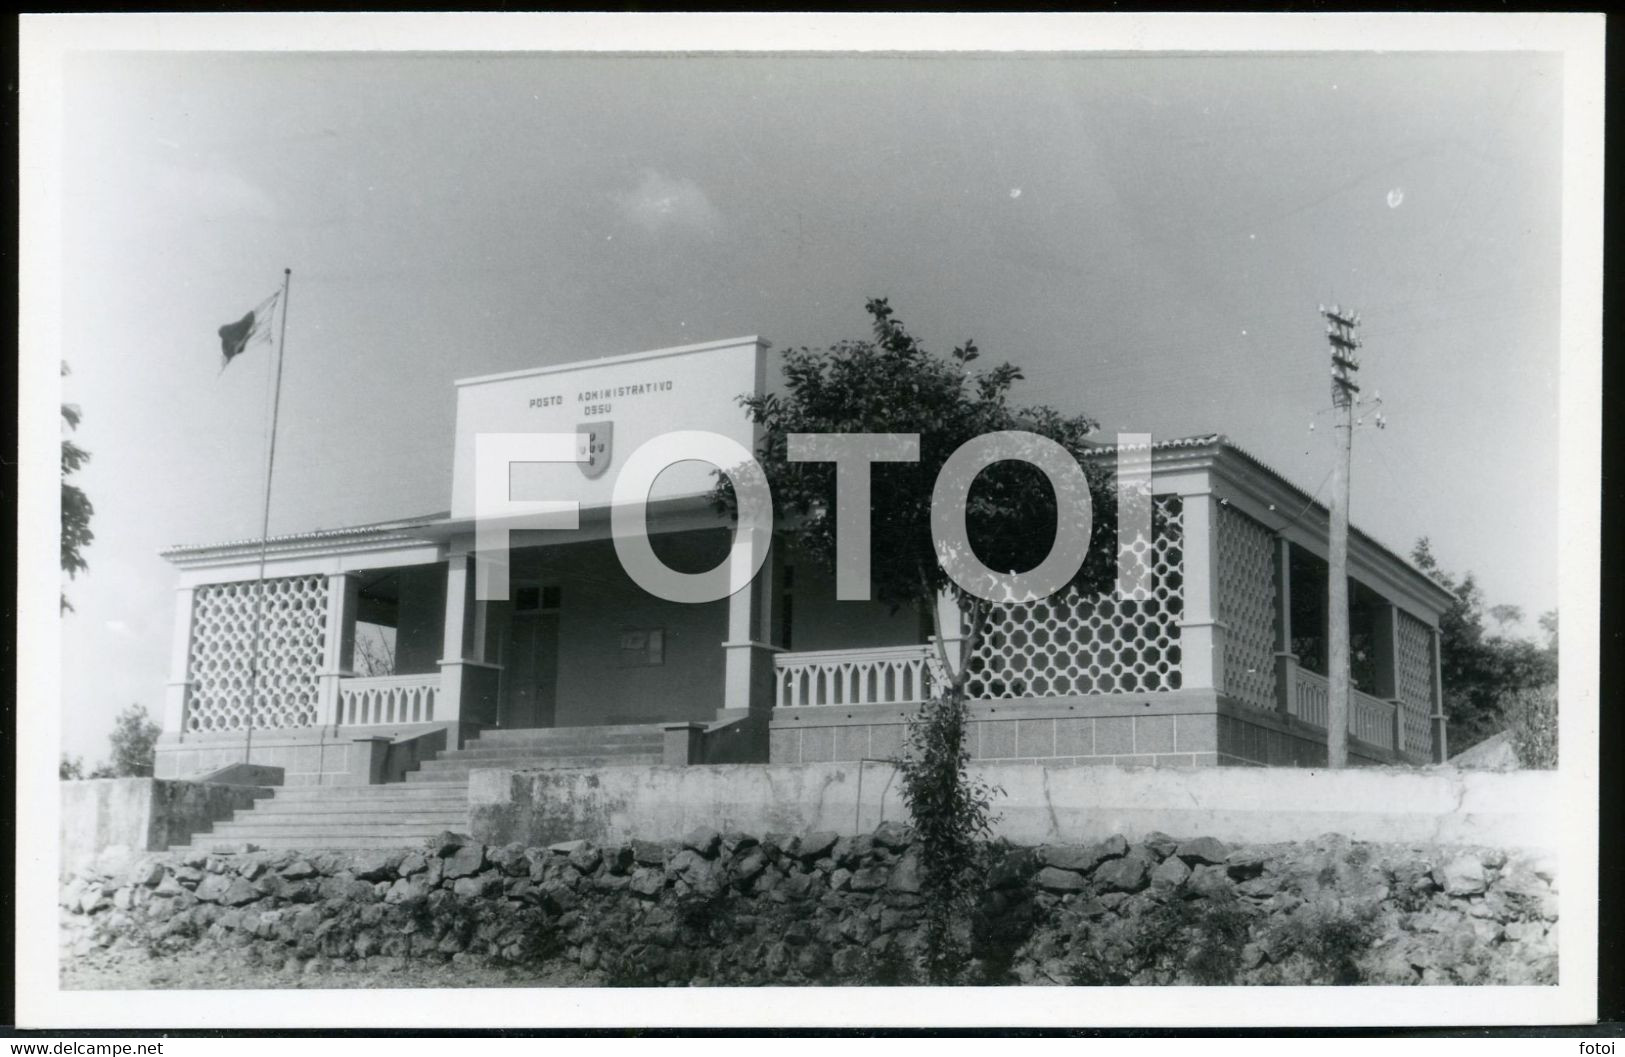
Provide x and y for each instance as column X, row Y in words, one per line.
column 395, row 530
column 1214, row 450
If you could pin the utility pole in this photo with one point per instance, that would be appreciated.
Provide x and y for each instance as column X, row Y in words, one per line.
column 1340, row 335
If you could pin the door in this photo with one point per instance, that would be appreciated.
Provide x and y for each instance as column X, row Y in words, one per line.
column 530, row 662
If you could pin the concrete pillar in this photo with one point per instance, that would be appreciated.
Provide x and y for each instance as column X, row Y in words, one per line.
column 343, row 599
column 180, row 659
column 458, row 636
column 1201, row 635
column 1385, row 646
column 1441, row 747
column 682, row 744
column 952, row 623
column 1286, row 662
column 747, row 681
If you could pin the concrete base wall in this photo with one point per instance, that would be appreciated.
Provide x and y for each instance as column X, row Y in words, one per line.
column 102, row 816
column 1177, row 729
column 313, row 756
column 1042, row 803
column 1187, row 728
column 1248, row 737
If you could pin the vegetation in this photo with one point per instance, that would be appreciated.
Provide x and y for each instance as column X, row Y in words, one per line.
column 1330, row 942
column 1485, row 673
column 952, row 811
column 133, row 743
column 76, row 506
column 1533, row 714
column 892, row 384
column 1185, row 942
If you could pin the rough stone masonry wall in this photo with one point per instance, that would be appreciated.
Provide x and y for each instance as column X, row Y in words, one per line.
column 820, row 909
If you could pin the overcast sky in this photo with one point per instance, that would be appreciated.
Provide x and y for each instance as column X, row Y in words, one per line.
column 1148, row 237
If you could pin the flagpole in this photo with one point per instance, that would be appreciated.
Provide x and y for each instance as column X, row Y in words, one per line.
column 265, row 528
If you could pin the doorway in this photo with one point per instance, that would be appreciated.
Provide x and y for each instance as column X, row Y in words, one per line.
column 530, row 658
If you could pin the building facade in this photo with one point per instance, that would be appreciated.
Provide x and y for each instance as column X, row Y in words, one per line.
column 1222, row 662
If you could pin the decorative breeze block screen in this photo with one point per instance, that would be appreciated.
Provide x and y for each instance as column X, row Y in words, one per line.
column 293, row 631
column 1414, row 681
column 1099, row 644
column 1246, row 574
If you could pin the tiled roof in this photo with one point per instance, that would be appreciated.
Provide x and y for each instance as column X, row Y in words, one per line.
column 396, row 525
column 1199, row 441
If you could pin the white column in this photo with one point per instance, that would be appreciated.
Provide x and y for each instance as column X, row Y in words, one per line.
column 1286, row 662
column 747, row 680
column 1201, row 635
column 458, row 633
column 1385, row 639
column 343, row 599
column 952, row 624
column 180, row 657
column 1441, row 746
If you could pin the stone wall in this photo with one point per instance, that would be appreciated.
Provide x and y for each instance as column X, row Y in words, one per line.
column 103, row 816
column 1042, row 802
column 728, row 908
column 306, row 756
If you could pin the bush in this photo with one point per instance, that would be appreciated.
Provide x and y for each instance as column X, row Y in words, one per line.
column 1329, row 942
column 1180, row 942
column 953, row 818
column 1532, row 714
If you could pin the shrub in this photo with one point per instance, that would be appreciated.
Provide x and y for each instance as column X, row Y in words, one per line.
column 1329, row 941
column 1532, row 714
column 1195, row 942
column 953, row 818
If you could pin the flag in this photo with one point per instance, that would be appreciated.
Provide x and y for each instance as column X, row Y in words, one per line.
column 235, row 338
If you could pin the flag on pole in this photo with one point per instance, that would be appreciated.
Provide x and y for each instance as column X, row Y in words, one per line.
column 235, row 338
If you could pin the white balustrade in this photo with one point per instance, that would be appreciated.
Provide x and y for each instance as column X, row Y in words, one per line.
column 1311, row 697
column 1371, row 719
column 895, row 675
column 388, row 699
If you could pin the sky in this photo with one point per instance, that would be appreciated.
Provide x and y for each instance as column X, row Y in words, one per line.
column 1148, row 237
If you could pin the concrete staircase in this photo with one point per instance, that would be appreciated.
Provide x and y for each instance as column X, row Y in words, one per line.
column 433, row 798
column 544, row 747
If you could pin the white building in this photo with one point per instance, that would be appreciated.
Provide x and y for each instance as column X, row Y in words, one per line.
column 1223, row 665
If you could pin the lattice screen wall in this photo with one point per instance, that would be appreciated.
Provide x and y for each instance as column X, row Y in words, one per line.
column 1070, row 644
column 292, row 636
column 1246, row 574
column 1414, row 679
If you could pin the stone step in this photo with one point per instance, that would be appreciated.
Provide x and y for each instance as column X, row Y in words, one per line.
column 461, row 769
column 475, row 751
column 340, row 805
column 319, row 843
column 555, row 734
column 422, row 790
column 429, row 821
column 410, row 831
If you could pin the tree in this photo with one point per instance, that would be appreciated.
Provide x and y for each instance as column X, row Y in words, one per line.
column 374, row 651
column 134, row 740
column 892, row 384
column 70, row 768
column 76, row 506
column 1482, row 673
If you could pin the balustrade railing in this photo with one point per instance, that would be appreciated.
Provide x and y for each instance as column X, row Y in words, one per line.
column 894, row 675
column 1371, row 719
column 365, row 702
column 1310, row 697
